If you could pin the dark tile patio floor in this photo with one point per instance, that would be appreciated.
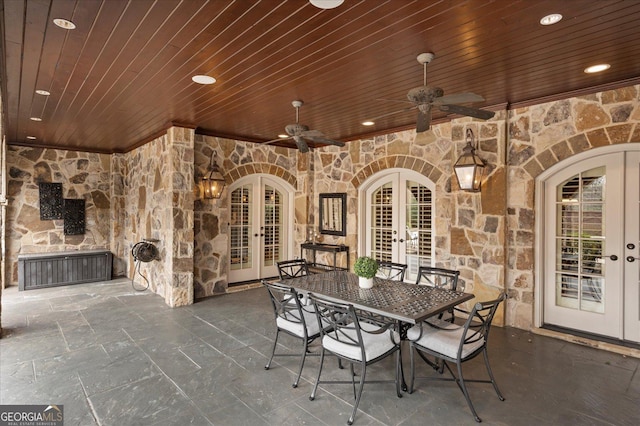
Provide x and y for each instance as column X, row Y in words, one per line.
column 113, row 356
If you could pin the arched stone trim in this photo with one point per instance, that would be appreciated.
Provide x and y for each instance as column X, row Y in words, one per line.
column 253, row 168
column 611, row 135
column 397, row 161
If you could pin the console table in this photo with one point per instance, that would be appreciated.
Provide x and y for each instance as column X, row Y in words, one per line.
column 330, row 248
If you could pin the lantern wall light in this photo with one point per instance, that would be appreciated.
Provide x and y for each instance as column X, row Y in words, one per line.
column 469, row 168
column 213, row 181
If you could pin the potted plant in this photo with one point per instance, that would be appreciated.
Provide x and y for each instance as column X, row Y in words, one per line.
column 366, row 268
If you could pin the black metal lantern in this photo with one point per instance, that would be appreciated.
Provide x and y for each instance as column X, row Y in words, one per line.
column 213, row 182
column 469, row 168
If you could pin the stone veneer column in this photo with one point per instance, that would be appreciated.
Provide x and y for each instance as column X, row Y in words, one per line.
column 179, row 253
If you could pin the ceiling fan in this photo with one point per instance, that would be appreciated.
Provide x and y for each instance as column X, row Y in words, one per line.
column 425, row 97
column 299, row 132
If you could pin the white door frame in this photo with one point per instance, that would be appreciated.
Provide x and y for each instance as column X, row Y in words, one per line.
column 374, row 179
column 289, row 190
column 539, row 272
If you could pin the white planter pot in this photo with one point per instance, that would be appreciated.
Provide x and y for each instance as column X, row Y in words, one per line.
column 365, row 282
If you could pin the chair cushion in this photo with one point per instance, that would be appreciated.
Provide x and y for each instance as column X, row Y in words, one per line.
column 446, row 341
column 295, row 326
column 374, row 344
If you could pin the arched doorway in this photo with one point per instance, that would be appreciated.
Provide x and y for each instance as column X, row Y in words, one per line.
column 589, row 210
column 398, row 211
column 260, row 226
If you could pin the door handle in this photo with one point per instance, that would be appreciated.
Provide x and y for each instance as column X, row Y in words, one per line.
column 631, row 246
column 402, row 240
column 614, row 257
column 632, row 259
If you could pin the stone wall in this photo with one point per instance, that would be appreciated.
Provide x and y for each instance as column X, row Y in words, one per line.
column 236, row 160
column 469, row 227
column 82, row 175
column 149, row 193
column 539, row 137
column 158, row 204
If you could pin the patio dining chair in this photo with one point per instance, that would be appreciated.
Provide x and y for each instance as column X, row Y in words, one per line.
column 456, row 344
column 391, row 270
column 356, row 342
column 288, row 269
column 292, row 318
column 439, row 278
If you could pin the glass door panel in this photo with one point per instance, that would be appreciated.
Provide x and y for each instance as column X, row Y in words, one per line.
column 241, row 227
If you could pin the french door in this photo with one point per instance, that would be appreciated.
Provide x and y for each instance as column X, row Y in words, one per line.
column 259, row 220
column 592, row 246
column 399, row 211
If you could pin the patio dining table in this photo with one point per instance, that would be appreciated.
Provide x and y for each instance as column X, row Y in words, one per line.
column 407, row 303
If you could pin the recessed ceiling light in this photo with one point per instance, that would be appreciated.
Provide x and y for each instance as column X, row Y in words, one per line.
column 551, row 19
column 203, row 79
column 597, row 68
column 36, row 118
column 65, row 24
column 283, row 136
column 43, row 92
column 326, row 4
column 368, row 123
column 31, row 137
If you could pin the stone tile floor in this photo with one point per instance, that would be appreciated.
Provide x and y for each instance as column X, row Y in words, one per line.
column 114, row 356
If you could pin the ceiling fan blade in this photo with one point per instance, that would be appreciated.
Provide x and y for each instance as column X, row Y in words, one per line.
column 470, row 112
column 312, row 134
column 301, row 143
column 325, row 141
column 275, row 140
column 458, row 98
column 423, row 121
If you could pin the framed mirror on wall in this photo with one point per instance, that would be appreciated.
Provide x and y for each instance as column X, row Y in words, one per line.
column 333, row 214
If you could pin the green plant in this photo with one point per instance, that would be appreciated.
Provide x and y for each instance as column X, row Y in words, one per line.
column 366, row 267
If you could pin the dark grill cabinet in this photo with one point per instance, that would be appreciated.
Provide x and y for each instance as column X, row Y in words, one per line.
column 40, row 270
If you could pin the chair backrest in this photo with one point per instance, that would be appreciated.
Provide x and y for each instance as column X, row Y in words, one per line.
column 288, row 269
column 342, row 321
column 478, row 324
column 286, row 303
column 391, row 270
column 438, row 277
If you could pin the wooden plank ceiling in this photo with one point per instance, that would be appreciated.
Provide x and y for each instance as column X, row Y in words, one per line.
column 124, row 74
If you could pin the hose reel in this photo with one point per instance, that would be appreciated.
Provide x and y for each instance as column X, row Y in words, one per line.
column 143, row 251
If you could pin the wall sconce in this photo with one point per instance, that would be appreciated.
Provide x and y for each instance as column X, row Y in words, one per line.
column 469, row 167
column 213, row 182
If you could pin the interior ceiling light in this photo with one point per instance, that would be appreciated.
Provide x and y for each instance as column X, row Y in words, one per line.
column 551, row 19
column 203, row 79
column 36, row 118
column 43, row 92
column 283, row 136
column 31, row 137
column 368, row 123
column 597, row 68
column 326, row 4
column 64, row 23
